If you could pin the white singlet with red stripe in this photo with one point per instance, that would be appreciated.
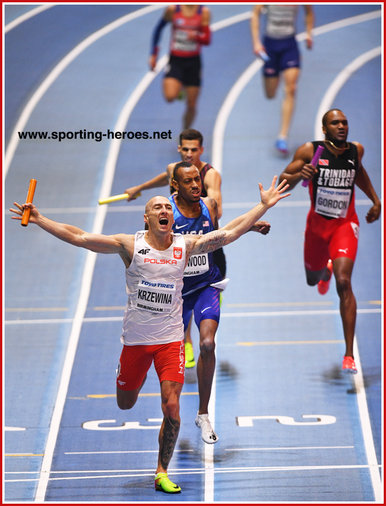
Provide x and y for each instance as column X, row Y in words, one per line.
column 154, row 282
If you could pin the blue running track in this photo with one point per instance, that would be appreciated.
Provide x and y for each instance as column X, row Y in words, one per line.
column 292, row 427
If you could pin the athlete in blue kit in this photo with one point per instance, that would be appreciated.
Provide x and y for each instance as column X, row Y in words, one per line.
column 203, row 280
column 190, row 148
column 278, row 47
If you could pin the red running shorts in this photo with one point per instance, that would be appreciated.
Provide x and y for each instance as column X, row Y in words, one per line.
column 135, row 361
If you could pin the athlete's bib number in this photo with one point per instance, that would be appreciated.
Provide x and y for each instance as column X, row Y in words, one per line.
column 198, row 264
column 332, row 203
column 182, row 43
column 156, row 297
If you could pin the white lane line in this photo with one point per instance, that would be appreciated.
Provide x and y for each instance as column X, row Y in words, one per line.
column 344, row 23
column 263, row 449
column 237, row 18
column 66, row 371
column 27, row 15
column 367, row 431
column 289, row 448
column 114, row 452
column 140, row 452
column 40, row 321
column 249, row 314
column 289, row 342
column 319, row 312
column 147, row 472
column 225, row 111
column 246, row 76
column 209, row 449
column 55, row 73
column 88, row 269
column 139, row 208
column 337, row 85
column 228, row 305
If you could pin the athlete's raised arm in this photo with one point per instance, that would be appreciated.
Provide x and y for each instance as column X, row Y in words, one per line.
column 123, row 244
column 239, row 226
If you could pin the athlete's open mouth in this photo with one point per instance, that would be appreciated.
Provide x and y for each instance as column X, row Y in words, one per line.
column 163, row 221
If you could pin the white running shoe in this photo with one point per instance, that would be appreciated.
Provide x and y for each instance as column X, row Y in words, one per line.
column 208, row 435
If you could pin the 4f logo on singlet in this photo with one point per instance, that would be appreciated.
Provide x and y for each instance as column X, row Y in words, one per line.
column 144, row 251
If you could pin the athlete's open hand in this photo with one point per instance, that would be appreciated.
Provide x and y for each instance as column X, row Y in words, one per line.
column 271, row 196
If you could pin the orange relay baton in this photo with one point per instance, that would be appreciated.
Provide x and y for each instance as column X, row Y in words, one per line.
column 30, row 197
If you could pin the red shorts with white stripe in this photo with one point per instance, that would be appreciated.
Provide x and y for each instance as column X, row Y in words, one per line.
column 325, row 239
column 135, row 361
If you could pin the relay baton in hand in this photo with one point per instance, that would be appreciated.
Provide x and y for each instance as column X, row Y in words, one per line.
column 115, row 198
column 30, row 197
column 263, row 55
column 314, row 161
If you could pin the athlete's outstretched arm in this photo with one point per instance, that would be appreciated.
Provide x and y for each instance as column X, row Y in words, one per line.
column 99, row 243
column 239, row 226
column 160, row 180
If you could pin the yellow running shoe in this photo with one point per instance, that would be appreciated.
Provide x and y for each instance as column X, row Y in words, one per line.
column 181, row 95
column 163, row 484
column 189, row 356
